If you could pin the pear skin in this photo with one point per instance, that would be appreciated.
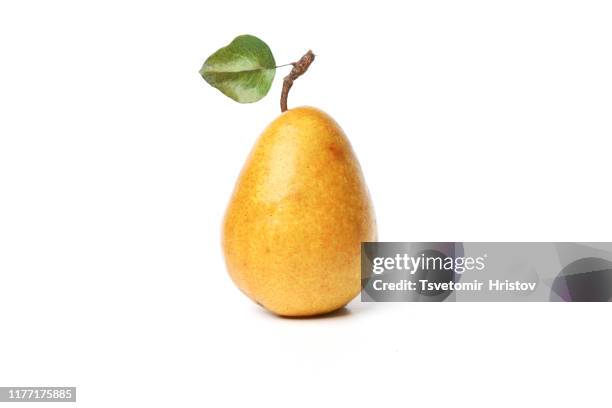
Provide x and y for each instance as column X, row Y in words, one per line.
column 299, row 212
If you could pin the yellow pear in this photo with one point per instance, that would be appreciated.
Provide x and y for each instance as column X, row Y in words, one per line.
column 299, row 211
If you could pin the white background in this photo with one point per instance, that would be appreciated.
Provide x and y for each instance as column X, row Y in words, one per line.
column 473, row 120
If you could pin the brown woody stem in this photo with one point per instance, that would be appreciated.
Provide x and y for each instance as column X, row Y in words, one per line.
column 299, row 68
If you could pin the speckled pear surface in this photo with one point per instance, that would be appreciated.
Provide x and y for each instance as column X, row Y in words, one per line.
column 299, row 211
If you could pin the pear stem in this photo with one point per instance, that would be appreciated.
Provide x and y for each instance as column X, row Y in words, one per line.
column 299, row 68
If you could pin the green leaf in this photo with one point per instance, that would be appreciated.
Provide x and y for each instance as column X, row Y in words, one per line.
column 243, row 70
